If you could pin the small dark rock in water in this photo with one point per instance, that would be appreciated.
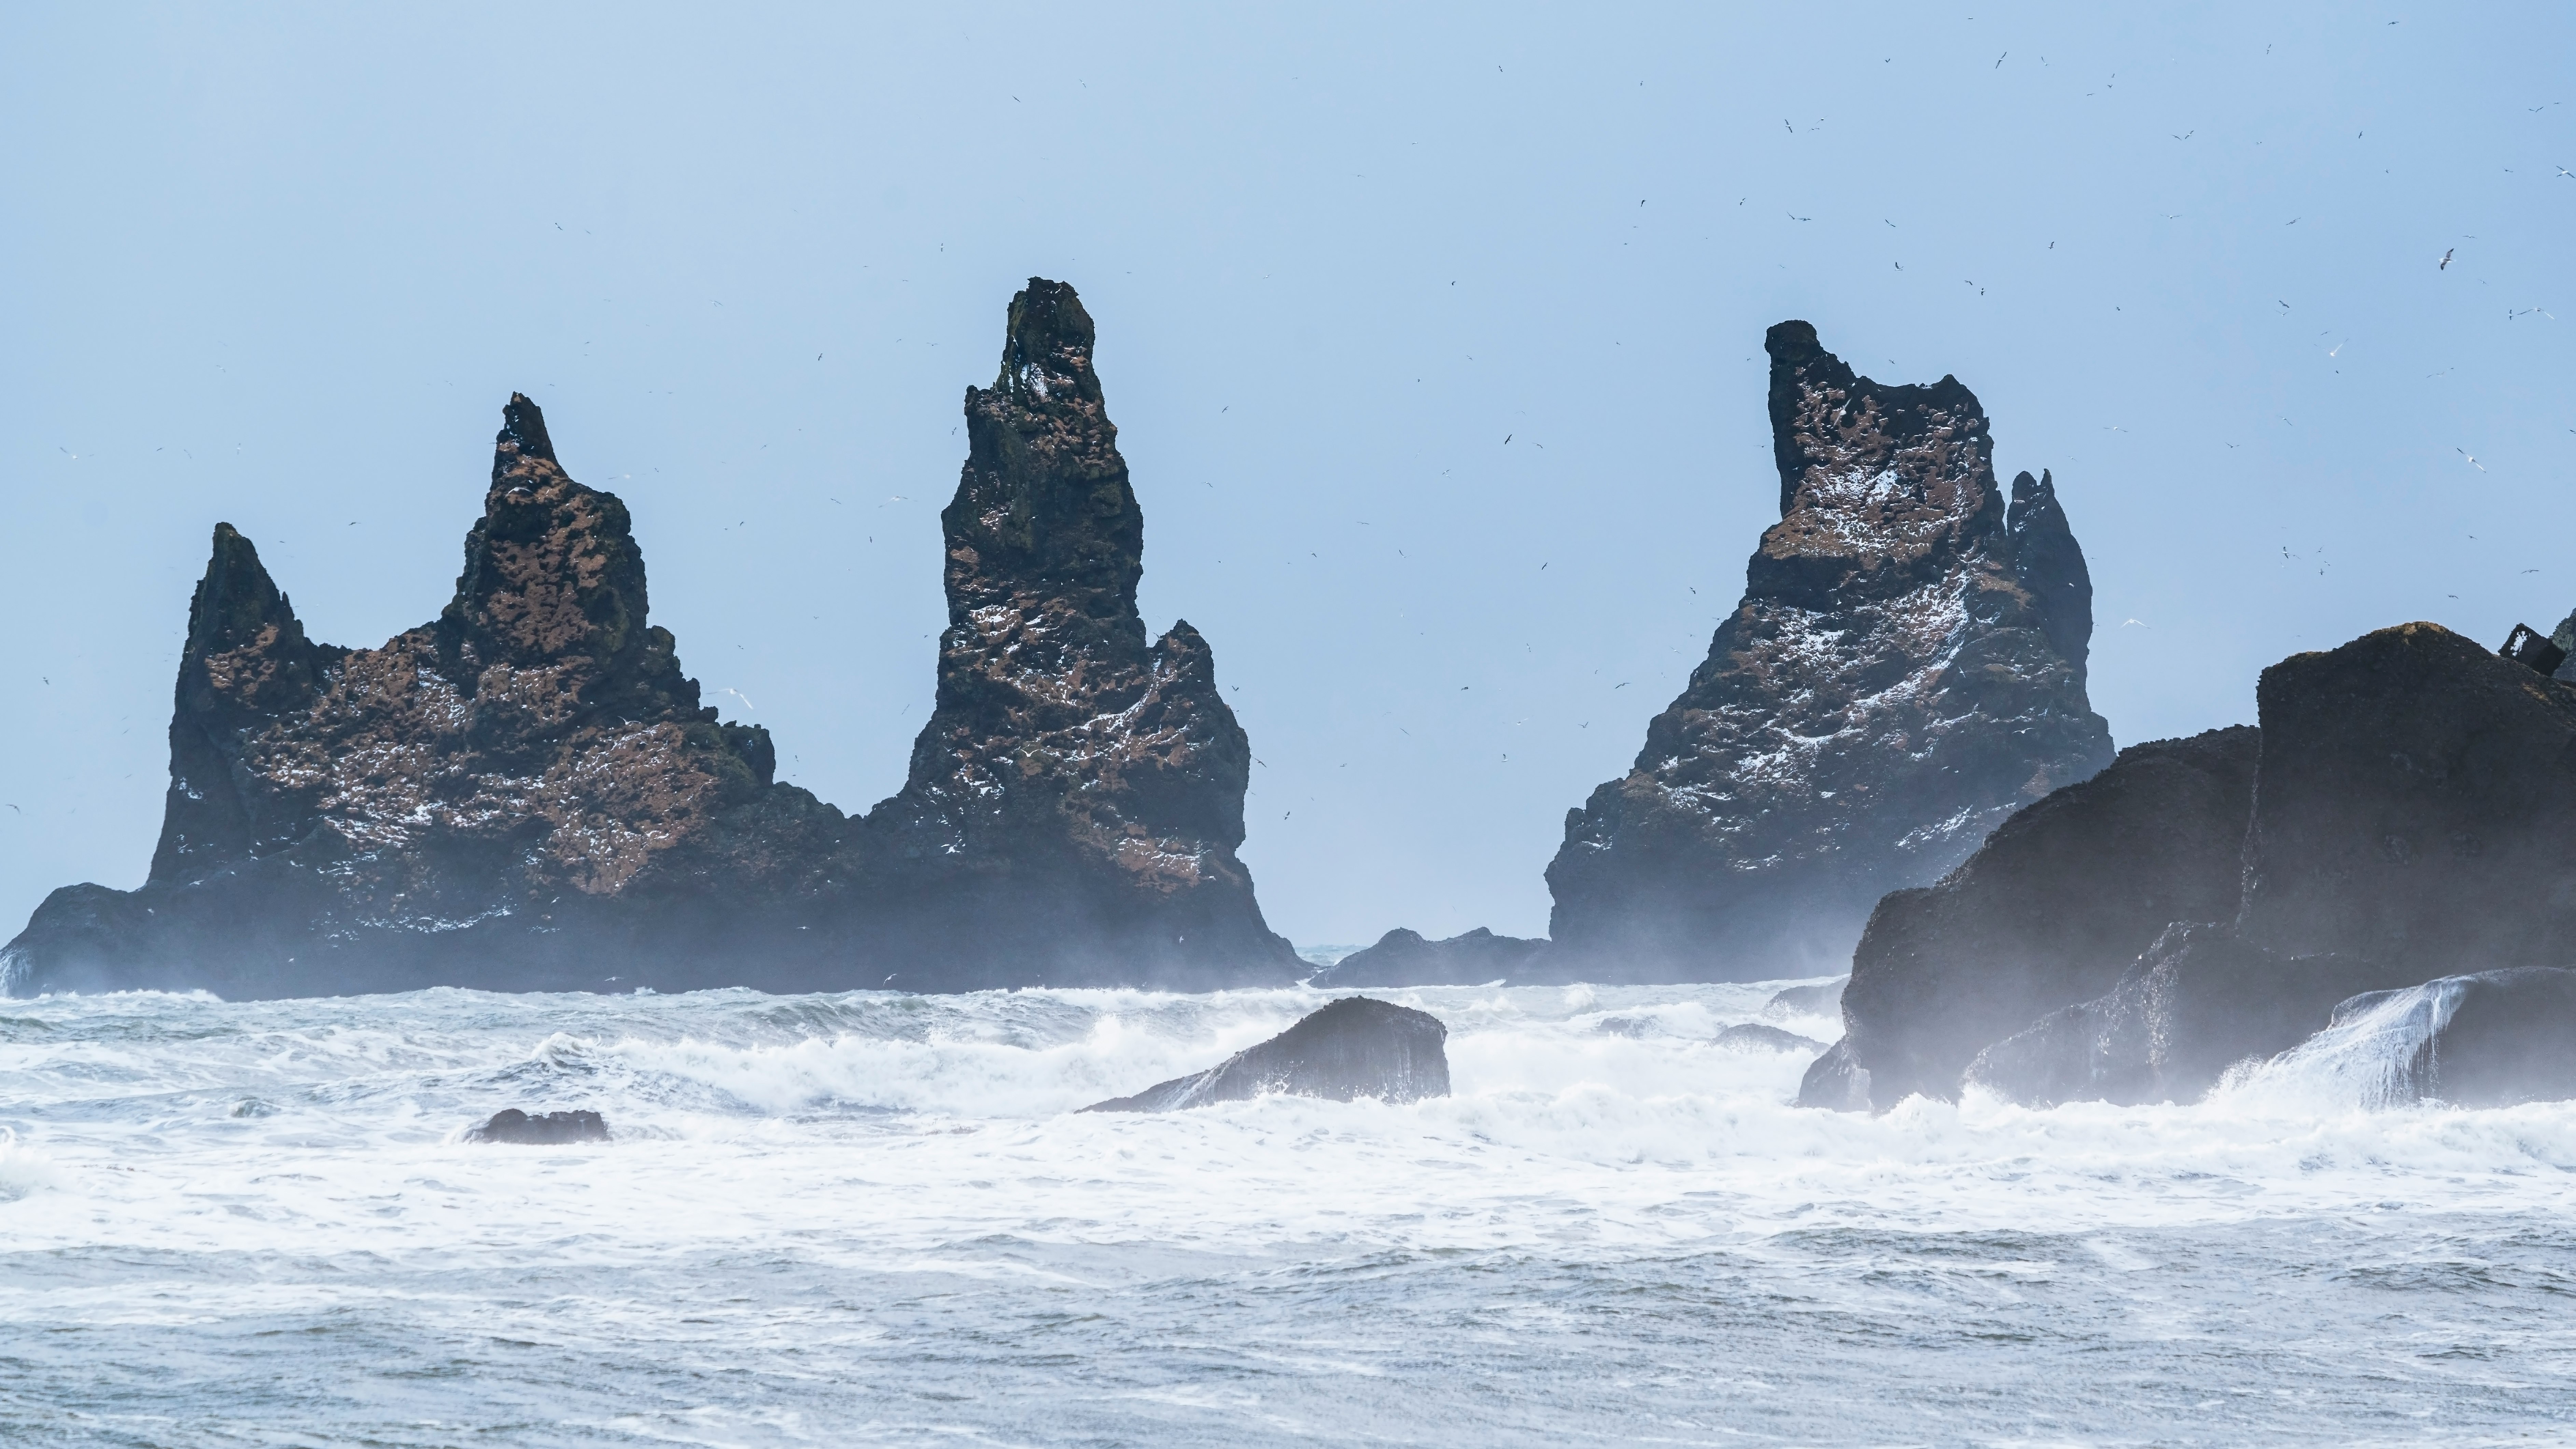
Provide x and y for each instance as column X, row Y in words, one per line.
column 1353, row 1048
column 1835, row 1082
column 1753, row 1036
column 1404, row 958
column 1825, row 998
column 546, row 1129
column 2492, row 1039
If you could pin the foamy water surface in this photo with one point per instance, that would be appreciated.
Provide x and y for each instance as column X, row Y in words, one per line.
column 875, row 1218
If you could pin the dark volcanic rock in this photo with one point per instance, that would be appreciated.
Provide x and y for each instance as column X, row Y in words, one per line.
column 2060, row 900
column 545, row 1129
column 1835, row 1082
column 1754, row 1036
column 1077, row 794
column 2201, row 1000
column 2490, row 1039
column 1825, row 998
column 1404, row 958
column 1353, row 1048
column 526, row 794
column 2417, row 804
column 1905, row 670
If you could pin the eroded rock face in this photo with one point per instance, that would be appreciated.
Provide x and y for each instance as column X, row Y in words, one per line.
column 1077, row 794
column 1906, row 669
column 1353, row 1048
column 492, row 799
column 1404, row 958
column 526, row 793
column 2414, row 808
column 2061, row 899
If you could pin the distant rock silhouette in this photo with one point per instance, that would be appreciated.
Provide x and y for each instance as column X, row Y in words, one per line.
column 1754, row 1036
column 1404, row 958
column 544, row 1129
column 527, row 794
column 1905, row 670
column 1353, row 1048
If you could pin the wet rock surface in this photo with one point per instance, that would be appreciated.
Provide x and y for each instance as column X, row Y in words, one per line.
column 1404, row 958
column 527, row 794
column 1905, row 670
column 542, row 1129
column 2058, row 903
column 1356, row 1047
column 2489, row 1039
column 2414, row 808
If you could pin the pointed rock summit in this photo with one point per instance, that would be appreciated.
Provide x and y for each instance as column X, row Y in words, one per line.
column 1906, row 669
column 1077, row 792
column 526, row 794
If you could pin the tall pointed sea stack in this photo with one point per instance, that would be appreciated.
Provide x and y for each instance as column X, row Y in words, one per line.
column 1077, row 796
column 525, row 794
column 1905, row 670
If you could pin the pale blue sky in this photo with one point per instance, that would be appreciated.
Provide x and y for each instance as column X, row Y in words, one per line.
column 281, row 266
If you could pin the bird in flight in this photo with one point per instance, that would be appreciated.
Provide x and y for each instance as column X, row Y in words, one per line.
column 2472, row 457
column 2446, row 259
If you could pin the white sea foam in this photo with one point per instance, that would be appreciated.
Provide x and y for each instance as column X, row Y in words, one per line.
column 183, row 1166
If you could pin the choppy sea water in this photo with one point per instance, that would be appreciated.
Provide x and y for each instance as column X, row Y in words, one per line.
column 873, row 1219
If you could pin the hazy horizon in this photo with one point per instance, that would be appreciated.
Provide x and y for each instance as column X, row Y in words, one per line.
column 1434, row 343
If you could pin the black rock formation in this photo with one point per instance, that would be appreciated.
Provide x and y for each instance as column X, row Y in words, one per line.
column 1404, row 958
column 2201, row 1000
column 2490, row 1039
column 1353, row 1048
column 1905, row 670
column 2413, row 810
column 2061, row 900
column 526, row 793
column 545, row 1129
column 1835, row 1082
column 1754, row 1036
column 1825, row 998
column 1078, row 792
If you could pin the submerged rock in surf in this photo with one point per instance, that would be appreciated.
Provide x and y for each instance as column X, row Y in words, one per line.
column 1354, row 1048
column 1835, row 1082
column 1404, row 958
column 1906, row 669
column 2050, row 911
column 544, row 1129
column 1825, row 998
column 1754, row 1036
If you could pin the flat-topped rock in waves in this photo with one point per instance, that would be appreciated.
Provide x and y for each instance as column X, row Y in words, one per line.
column 542, row 1129
column 1353, row 1048
column 2489, row 1039
column 1404, row 958
column 1905, row 670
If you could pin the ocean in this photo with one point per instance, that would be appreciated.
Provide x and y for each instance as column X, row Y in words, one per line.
column 875, row 1218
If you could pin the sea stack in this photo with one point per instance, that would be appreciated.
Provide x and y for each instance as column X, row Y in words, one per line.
column 1076, row 799
column 526, row 794
column 1905, row 670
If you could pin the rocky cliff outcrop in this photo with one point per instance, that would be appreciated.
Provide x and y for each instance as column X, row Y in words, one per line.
column 2060, row 900
column 2489, row 1039
column 2413, row 811
column 1353, row 1048
column 1905, row 670
column 1078, row 792
column 527, row 794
